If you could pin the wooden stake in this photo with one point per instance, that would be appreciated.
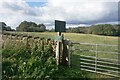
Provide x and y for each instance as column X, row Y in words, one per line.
column 68, row 48
column 58, row 50
column 64, row 54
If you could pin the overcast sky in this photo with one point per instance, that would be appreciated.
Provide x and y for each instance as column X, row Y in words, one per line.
column 74, row 12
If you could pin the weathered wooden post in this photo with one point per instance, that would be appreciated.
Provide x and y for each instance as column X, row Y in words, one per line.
column 68, row 48
column 42, row 43
column 59, row 27
column 66, row 52
column 58, row 50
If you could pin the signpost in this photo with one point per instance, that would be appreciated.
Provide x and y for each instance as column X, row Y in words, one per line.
column 60, row 26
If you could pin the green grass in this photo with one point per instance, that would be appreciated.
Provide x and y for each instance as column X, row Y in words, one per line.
column 76, row 37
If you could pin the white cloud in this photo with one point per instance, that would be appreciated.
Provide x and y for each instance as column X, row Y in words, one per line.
column 74, row 12
column 116, row 22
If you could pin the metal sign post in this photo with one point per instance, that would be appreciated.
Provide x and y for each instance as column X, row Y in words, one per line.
column 60, row 26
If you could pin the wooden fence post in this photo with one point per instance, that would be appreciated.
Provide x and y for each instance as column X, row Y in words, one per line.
column 42, row 44
column 58, row 50
column 68, row 48
column 64, row 52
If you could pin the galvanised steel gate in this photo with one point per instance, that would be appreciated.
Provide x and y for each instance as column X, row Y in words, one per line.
column 98, row 58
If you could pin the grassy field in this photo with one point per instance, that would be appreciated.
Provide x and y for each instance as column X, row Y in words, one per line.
column 76, row 37
column 82, row 38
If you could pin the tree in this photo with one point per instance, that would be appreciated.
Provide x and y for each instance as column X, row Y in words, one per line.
column 8, row 28
column 109, row 30
column 103, row 29
column 31, row 27
column 117, row 30
column 23, row 26
column 4, row 27
column 97, row 29
column 42, row 27
column 73, row 30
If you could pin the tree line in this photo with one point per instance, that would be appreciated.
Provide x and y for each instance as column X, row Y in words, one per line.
column 25, row 27
column 100, row 29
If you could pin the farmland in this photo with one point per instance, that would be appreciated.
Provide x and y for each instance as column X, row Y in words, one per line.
column 76, row 37
column 73, row 71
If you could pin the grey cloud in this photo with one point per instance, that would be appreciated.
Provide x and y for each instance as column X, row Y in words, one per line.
column 112, row 16
column 73, row 16
column 26, row 9
column 13, row 7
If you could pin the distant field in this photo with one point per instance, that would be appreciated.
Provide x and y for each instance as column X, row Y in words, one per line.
column 76, row 37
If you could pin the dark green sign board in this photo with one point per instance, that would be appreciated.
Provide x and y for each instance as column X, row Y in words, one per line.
column 60, row 26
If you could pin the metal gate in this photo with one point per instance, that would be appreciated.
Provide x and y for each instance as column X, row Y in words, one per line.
column 98, row 58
